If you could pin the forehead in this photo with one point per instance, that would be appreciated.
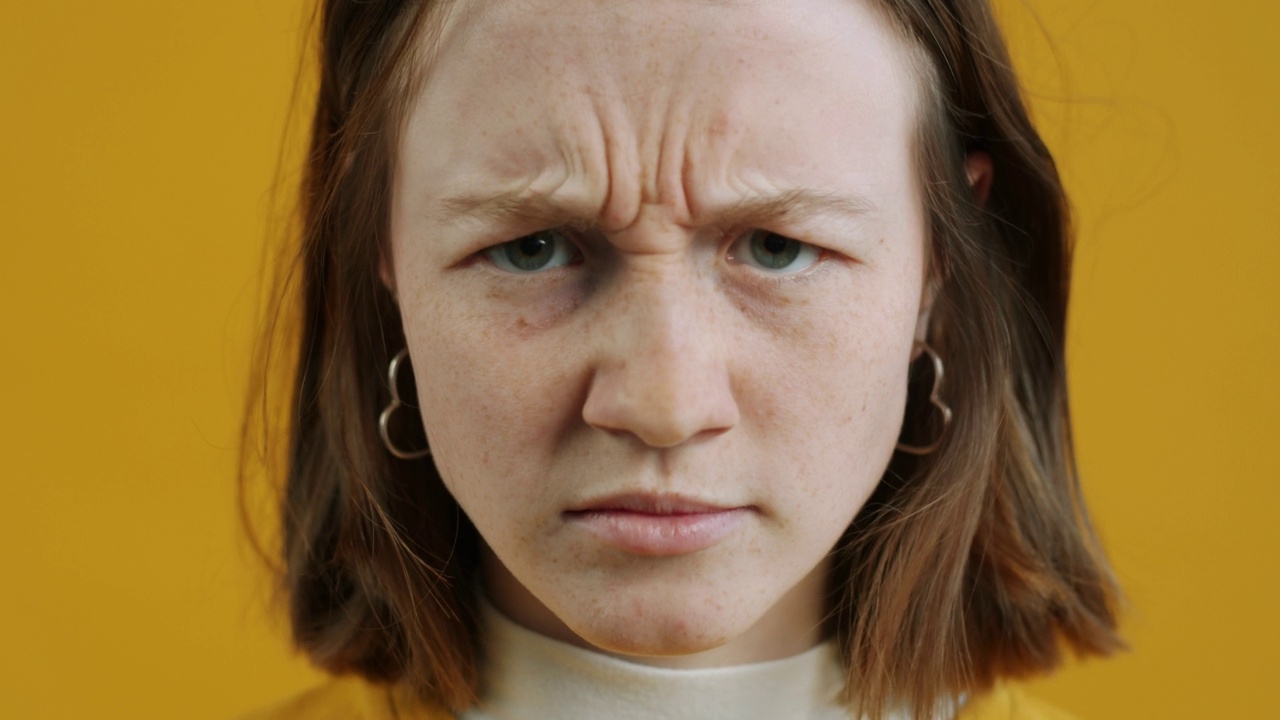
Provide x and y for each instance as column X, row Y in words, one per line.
column 663, row 33
column 665, row 95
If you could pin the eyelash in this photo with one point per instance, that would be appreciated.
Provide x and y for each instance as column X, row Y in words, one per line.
column 500, row 256
column 814, row 254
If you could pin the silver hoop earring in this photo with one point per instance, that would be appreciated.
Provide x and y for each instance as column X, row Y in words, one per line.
column 384, row 420
column 936, row 401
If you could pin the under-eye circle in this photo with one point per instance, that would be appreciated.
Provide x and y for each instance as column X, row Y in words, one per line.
column 533, row 253
column 772, row 252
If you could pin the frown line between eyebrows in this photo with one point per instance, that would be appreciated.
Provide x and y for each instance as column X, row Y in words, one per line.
column 524, row 208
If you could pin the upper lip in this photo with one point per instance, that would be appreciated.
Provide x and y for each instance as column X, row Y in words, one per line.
column 652, row 504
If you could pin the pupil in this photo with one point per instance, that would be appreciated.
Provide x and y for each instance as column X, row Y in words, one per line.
column 532, row 246
column 774, row 251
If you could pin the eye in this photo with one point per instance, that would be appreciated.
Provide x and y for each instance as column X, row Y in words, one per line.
column 773, row 252
column 534, row 253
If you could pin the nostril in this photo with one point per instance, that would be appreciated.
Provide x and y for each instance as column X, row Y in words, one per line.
column 661, row 410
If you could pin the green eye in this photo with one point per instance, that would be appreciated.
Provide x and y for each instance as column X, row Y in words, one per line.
column 543, row 250
column 773, row 252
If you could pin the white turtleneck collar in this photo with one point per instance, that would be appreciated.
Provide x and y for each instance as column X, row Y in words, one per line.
column 531, row 677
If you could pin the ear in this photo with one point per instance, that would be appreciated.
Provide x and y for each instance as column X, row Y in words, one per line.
column 979, row 172
column 927, row 295
column 385, row 271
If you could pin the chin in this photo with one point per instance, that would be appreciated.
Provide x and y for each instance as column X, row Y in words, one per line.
column 675, row 638
column 698, row 610
column 661, row 627
column 717, row 619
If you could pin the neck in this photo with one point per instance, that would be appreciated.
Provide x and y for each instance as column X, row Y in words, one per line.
column 527, row 675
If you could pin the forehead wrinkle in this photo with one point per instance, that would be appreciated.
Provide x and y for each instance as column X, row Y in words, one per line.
column 644, row 161
column 675, row 143
column 697, row 147
column 620, row 166
column 546, row 210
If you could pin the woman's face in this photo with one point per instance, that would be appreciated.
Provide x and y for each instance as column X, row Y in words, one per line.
column 660, row 266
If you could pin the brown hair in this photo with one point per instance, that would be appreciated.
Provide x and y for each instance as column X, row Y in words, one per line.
column 970, row 564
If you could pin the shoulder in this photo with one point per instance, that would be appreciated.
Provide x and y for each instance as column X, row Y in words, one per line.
column 350, row 698
column 1010, row 703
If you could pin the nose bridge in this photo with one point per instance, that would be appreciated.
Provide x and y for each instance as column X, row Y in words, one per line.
column 663, row 315
column 662, row 371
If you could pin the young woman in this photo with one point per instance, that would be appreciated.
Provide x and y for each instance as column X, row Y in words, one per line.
column 680, row 359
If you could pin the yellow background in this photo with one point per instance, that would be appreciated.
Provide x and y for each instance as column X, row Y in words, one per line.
column 137, row 150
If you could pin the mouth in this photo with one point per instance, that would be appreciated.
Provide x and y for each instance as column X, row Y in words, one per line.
column 658, row 525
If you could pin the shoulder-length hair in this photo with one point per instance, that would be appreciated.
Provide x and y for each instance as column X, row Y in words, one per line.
column 973, row 563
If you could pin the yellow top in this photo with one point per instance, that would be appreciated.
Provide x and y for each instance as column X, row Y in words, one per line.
column 352, row 698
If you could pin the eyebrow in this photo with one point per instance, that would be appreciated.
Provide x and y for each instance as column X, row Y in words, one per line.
column 524, row 207
column 756, row 209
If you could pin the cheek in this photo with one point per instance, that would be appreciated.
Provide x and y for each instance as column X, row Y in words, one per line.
column 820, row 389
column 843, row 359
column 493, row 406
column 829, row 401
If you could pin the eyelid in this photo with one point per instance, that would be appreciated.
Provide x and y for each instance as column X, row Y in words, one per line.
column 734, row 238
column 492, row 254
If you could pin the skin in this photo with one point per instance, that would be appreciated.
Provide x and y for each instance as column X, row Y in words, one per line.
column 659, row 359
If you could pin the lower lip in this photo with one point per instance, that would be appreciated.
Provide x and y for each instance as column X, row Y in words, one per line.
column 652, row 534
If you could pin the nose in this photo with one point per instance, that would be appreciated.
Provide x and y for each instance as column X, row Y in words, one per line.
column 661, row 371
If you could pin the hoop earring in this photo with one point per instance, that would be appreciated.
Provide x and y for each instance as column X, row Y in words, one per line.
column 384, row 420
column 935, row 401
